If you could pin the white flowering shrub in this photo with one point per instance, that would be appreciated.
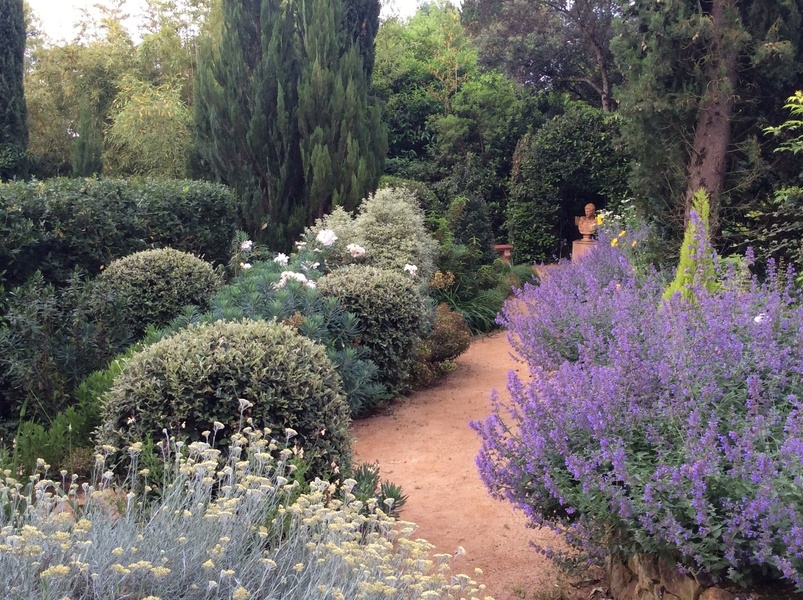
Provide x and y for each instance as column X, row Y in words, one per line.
column 389, row 232
column 223, row 529
column 393, row 230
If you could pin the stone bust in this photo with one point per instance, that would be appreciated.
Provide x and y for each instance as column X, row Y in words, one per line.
column 587, row 224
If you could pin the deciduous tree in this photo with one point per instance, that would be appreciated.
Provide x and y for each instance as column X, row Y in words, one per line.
column 702, row 78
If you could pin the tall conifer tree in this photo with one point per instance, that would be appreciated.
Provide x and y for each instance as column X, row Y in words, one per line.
column 283, row 113
column 245, row 112
column 13, row 125
column 340, row 132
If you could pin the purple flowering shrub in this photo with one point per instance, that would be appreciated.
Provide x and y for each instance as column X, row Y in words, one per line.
column 661, row 427
column 575, row 307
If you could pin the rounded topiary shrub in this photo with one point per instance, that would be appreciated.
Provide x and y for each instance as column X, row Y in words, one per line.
column 391, row 313
column 225, row 373
column 154, row 285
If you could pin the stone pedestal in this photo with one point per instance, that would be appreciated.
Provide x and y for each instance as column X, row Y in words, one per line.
column 503, row 251
column 581, row 248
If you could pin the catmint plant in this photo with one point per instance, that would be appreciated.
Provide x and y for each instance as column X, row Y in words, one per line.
column 657, row 426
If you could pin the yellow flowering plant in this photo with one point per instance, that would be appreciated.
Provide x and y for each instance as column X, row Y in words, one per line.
column 225, row 527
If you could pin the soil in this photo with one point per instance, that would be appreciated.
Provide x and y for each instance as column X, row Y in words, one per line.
column 424, row 444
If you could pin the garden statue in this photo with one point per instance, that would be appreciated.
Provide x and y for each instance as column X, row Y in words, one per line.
column 587, row 224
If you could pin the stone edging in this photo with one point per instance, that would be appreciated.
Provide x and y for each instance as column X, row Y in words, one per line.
column 647, row 577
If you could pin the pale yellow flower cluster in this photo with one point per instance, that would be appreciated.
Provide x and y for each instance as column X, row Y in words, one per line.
column 223, row 526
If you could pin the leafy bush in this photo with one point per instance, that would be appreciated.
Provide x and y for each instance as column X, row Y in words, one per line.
column 425, row 197
column 470, row 223
column 390, row 228
column 479, row 295
column 649, row 426
column 53, row 339
column 449, row 338
column 67, row 440
column 56, row 225
column 229, row 528
column 390, row 311
column 215, row 375
column 154, row 285
column 257, row 294
column 391, row 224
column 342, row 223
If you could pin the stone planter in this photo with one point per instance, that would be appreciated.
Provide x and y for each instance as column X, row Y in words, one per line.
column 646, row 577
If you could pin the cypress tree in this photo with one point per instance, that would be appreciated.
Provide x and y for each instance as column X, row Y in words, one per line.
column 361, row 21
column 283, row 114
column 13, row 125
column 245, row 115
column 341, row 135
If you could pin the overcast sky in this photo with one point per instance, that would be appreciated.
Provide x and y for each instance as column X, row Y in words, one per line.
column 59, row 16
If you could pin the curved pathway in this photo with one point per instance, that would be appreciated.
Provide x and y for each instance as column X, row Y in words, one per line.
column 424, row 443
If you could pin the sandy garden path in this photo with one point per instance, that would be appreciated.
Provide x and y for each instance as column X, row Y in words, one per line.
column 424, row 444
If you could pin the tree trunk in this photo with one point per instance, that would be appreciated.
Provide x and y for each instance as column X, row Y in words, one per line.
column 712, row 133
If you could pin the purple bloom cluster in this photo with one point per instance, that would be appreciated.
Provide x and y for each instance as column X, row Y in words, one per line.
column 648, row 426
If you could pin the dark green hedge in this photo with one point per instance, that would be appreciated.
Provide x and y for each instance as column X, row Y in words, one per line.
column 55, row 225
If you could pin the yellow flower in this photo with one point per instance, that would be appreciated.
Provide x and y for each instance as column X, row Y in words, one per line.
column 621, row 233
column 118, row 551
column 599, row 219
column 614, row 242
column 55, row 571
column 633, row 244
column 241, row 594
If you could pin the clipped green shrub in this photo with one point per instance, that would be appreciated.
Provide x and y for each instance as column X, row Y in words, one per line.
column 154, row 285
column 56, row 225
column 449, row 338
column 390, row 310
column 261, row 293
column 219, row 374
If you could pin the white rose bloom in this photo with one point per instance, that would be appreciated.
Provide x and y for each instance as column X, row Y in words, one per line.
column 355, row 250
column 282, row 259
column 326, row 237
column 411, row 269
column 247, row 246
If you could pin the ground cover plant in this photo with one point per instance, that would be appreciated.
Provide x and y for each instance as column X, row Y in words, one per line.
column 657, row 426
column 234, row 527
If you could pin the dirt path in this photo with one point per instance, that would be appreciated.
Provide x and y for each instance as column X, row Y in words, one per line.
column 425, row 445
